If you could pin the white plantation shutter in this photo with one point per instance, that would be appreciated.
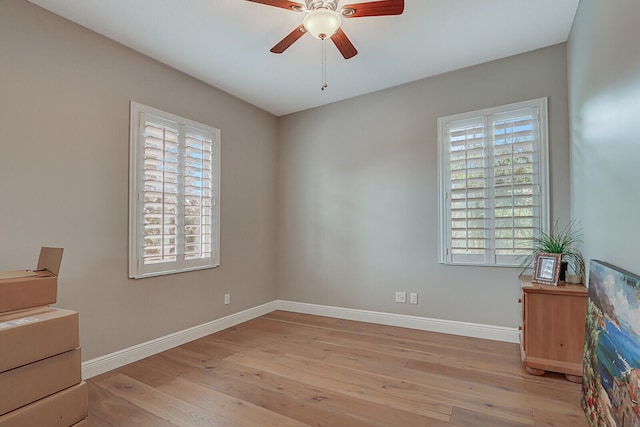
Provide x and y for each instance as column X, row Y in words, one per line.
column 493, row 183
column 160, row 193
column 516, row 182
column 468, row 190
column 198, row 194
column 174, row 210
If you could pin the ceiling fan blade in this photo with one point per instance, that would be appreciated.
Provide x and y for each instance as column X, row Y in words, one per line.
column 284, row 4
column 343, row 44
column 289, row 39
column 374, row 8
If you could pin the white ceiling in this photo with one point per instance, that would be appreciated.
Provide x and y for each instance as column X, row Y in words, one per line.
column 226, row 42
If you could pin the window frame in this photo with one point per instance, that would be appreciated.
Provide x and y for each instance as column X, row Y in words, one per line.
column 489, row 258
column 137, row 268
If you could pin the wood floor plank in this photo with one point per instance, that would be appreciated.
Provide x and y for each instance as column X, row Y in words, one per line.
column 291, row 369
column 106, row 407
column 177, row 411
column 238, row 412
column 95, row 421
column 152, row 372
column 503, row 401
column 391, row 393
column 377, row 394
column 429, row 351
column 304, row 402
column 487, row 382
column 418, row 348
column 465, row 418
column 547, row 418
column 382, row 331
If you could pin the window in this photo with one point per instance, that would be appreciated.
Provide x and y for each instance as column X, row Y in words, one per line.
column 174, row 179
column 493, row 183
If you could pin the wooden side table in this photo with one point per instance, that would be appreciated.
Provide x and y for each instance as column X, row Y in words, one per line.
column 553, row 328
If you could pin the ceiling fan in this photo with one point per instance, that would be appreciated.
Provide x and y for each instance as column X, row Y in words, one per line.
column 323, row 20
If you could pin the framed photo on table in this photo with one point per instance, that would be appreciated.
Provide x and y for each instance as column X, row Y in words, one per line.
column 546, row 269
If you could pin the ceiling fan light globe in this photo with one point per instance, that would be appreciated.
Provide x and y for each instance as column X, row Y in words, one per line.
column 322, row 23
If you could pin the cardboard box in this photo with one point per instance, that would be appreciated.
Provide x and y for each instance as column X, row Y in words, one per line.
column 83, row 423
column 27, row 336
column 28, row 383
column 25, row 288
column 62, row 409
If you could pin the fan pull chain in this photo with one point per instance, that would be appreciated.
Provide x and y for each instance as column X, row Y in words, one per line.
column 324, row 63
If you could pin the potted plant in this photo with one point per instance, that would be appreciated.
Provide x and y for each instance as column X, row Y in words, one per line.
column 558, row 241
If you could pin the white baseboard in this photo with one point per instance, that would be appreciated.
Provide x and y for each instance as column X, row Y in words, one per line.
column 475, row 330
column 105, row 363
column 111, row 361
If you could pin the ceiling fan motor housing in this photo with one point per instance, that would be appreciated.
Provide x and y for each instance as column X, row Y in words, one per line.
column 321, row 4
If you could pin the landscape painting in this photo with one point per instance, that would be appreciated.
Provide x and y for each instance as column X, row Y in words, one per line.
column 611, row 377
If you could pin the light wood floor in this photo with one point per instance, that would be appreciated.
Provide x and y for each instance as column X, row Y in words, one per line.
column 286, row 369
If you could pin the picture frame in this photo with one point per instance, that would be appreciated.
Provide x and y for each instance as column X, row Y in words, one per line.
column 546, row 269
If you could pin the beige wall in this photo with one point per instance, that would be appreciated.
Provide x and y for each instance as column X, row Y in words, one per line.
column 64, row 145
column 358, row 193
column 604, row 92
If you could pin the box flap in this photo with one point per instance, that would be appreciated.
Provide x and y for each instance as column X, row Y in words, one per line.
column 16, row 274
column 50, row 259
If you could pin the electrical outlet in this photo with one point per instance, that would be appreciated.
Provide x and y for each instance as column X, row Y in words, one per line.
column 401, row 297
column 227, row 299
column 414, row 298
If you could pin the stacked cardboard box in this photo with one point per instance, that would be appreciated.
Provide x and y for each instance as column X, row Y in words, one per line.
column 40, row 366
column 31, row 288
